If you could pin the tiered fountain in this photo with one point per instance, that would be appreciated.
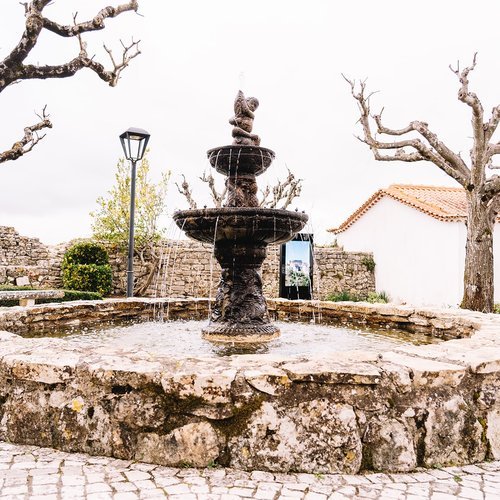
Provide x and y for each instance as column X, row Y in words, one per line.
column 241, row 231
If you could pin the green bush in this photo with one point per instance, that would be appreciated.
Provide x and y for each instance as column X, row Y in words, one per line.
column 369, row 263
column 88, row 277
column 87, row 252
column 85, row 266
column 343, row 297
column 373, row 297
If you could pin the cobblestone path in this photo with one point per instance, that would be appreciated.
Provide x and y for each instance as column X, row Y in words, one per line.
column 29, row 472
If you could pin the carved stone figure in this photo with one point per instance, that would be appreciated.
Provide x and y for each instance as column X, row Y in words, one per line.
column 243, row 120
column 241, row 192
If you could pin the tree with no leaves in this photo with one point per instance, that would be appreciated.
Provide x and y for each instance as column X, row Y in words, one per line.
column 14, row 69
column 482, row 191
column 282, row 193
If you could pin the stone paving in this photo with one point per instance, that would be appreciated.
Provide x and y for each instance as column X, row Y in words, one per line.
column 29, row 472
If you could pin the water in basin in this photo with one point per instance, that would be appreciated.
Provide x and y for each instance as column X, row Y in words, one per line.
column 183, row 339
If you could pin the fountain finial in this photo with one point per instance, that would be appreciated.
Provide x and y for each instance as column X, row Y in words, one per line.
column 243, row 120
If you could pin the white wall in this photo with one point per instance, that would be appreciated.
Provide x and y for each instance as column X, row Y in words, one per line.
column 419, row 260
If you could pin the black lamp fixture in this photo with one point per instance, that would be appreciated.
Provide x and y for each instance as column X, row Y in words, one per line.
column 134, row 142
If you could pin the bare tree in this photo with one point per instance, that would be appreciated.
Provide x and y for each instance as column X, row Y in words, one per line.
column 14, row 69
column 283, row 192
column 482, row 191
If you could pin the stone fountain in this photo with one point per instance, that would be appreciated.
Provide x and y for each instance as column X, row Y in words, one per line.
column 241, row 232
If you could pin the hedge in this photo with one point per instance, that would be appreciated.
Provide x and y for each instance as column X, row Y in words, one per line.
column 85, row 266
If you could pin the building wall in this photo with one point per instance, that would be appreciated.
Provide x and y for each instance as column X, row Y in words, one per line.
column 187, row 268
column 419, row 260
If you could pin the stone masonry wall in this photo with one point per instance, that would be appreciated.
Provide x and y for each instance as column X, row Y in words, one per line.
column 187, row 268
column 27, row 261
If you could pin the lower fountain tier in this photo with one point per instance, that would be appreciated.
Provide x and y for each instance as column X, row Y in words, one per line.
column 259, row 225
column 240, row 237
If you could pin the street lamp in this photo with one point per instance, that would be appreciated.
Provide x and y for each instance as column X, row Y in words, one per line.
column 134, row 142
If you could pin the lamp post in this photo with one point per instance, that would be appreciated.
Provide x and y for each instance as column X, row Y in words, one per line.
column 134, row 142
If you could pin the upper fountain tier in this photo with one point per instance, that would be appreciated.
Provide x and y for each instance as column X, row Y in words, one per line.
column 239, row 159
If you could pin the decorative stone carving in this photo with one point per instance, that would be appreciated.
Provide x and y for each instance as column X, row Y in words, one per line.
column 243, row 120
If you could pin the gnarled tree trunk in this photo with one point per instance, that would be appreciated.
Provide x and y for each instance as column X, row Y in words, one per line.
column 478, row 273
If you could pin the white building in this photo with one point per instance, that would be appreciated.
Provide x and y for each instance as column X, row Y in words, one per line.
column 417, row 235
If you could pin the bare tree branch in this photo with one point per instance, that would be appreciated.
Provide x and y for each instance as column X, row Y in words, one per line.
column 480, row 130
column 436, row 151
column 95, row 24
column 13, row 69
column 31, row 138
column 185, row 190
column 470, row 98
column 285, row 191
column 492, row 124
column 217, row 198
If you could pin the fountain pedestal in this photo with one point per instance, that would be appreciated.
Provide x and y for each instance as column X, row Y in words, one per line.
column 240, row 312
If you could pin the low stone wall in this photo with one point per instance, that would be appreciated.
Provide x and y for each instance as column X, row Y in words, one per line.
column 431, row 405
column 187, row 268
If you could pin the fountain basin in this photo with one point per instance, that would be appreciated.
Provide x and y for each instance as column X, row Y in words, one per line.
column 252, row 224
column 394, row 410
column 237, row 160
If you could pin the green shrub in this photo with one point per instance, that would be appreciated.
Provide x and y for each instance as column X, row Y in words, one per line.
column 85, row 266
column 373, row 297
column 496, row 308
column 382, row 298
column 88, row 277
column 343, row 297
column 87, row 252
column 369, row 263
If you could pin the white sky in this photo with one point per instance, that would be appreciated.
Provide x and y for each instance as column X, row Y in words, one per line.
column 196, row 53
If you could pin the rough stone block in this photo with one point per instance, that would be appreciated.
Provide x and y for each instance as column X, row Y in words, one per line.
column 313, row 436
column 23, row 281
column 389, row 445
column 195, row 445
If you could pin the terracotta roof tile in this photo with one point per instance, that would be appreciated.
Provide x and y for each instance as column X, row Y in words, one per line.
column 442, row 203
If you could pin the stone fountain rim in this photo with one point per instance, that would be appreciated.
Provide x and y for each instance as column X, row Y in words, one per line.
column 42, row 364
column 485, row 327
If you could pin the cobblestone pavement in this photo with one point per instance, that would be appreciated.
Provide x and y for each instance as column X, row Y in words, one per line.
column 29, row 472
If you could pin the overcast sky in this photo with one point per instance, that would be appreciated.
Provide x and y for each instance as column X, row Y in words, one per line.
column 196, row 54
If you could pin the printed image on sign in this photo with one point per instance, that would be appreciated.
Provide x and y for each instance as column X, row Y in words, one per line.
column 298, row 263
